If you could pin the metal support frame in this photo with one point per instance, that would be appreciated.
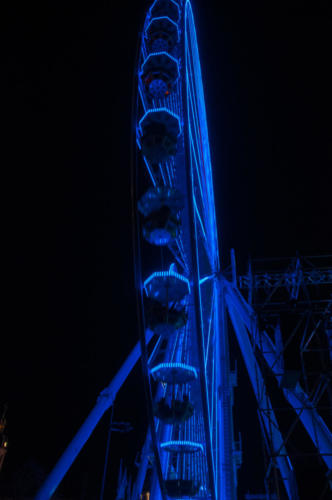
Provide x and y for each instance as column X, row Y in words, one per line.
column 274, row 437
column 265, row 292
column 301, row 280
column 104, row 402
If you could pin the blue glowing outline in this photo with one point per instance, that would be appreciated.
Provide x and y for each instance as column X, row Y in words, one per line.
column 200, row 219
column 158, row 19
column 174, row 365
column 209, row 328
column 206, row 278
column 211, row 230
column 150, row 171
column 154, row 54
column 166, row 274
column 142, row 98
column 155, row 1
column 191, row 444
column 204, row 193
column 160, row 110
column 204, row 136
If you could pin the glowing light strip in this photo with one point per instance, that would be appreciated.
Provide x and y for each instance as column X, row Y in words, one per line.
column 202, row 197
column 170, row 183
column 154, row 350
column 172, row 1
column 181, row 366
column 162, row 174
column 190, row 444
column 194, row 120
column 182, row 249
column 218, row 361
column 198, row 272
column 166, row 274
column 199, row 218
column 183, row 256
column 150, row 171
column 158, row 19
column 195, row 112
column 197, row 167
column 160, row 110
column 170, row 165
column 195, row 144
column 207, row 278
column 209, row 332
column 177, row 257
column 197, row 260
column 212, row 395
column 204, row 133
column 142, row 98
column 154, row 54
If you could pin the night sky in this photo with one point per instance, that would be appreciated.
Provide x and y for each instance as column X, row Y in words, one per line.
column 69, row 305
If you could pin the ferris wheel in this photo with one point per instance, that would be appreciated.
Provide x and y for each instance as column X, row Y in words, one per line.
column 185, row 305
column 186, row 371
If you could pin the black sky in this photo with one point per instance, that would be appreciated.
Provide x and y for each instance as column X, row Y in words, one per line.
column 69, row 294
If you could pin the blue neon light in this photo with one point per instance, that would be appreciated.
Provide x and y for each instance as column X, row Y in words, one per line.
column 188, row 446
column 163, row 18
column 206, row 278
column 160, row 110
column 150, row 171
column 166, row 274
column 171, row 1
column 182, row 366
column 154, row 54
column 194, row 81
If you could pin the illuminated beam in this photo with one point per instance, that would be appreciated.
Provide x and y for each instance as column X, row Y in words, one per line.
column 104, row 402
column 268, row 417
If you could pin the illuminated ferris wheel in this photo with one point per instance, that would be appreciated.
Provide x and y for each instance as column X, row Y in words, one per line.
column 186, row 370
column 185, row 305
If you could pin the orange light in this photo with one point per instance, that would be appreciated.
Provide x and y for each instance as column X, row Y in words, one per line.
column 145, row 496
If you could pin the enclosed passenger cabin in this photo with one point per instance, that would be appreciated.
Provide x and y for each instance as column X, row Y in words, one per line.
column 179, row 488
column 165, row 8
column 159, row 73
column 167, row 287
column 176, row 413
column 160, row 129
column 164, row 320
column 165, row 306
column 160, row 207
column 162, row 34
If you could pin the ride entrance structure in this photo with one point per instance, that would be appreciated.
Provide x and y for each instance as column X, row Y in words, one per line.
column 188, row 306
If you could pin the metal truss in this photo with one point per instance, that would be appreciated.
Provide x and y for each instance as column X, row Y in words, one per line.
column 292, row 278
column 287, row 315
